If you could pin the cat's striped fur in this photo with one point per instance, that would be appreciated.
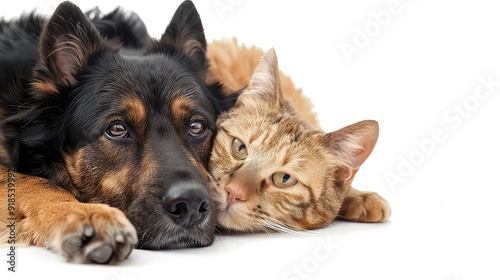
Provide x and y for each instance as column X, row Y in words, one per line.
column 272, row 166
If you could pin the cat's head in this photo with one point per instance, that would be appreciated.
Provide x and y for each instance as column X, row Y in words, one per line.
column 272, row 170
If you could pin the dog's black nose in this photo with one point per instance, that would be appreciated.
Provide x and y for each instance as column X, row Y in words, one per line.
column 187, row 203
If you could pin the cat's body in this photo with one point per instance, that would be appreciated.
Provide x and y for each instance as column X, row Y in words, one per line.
column 272, row 166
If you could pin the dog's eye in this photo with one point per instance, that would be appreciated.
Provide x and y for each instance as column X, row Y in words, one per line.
column 117, row 130
column 238, row 149
column 283, row 180
column 197, row 128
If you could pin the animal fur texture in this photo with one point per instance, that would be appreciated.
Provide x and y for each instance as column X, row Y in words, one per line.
column 272, row 166
column 107, row 142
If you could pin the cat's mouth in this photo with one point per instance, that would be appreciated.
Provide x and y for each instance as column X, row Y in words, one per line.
column 231, row 206
column 231, row 199
column 231, row 218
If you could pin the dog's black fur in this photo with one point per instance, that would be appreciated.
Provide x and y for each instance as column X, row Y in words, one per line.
column 70, row 105
column 126, row 26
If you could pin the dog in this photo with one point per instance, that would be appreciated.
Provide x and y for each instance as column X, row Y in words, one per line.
column 105, row 144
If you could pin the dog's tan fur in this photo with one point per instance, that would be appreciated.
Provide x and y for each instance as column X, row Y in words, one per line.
column 43, row 222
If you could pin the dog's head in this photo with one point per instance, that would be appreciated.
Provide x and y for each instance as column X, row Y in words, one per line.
column 134, row 132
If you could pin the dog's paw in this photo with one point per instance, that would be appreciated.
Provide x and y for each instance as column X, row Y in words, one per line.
column 93, row 233
column 365, row 207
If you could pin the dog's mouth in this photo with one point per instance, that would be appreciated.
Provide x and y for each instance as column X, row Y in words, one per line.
column 187, row 241
column 157, row 229
column 175, row 237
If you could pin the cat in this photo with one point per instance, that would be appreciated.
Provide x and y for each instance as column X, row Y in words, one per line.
column 272, row 166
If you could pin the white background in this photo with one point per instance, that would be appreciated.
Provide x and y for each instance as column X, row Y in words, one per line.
column 413, row 73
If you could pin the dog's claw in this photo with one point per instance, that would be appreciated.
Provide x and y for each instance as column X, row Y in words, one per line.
column 120, row 238
column 88, row 231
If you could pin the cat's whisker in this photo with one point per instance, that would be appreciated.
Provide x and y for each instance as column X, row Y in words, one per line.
column 281, row 227
column 264, row 228
column 285, row 228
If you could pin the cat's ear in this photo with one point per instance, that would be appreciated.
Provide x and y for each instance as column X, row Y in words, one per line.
column 185, row 32
column 66, row 43
column 354, row 143
column 265, row 81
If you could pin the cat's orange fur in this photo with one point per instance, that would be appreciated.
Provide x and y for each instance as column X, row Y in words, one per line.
column 233, row 65
column 279, row 134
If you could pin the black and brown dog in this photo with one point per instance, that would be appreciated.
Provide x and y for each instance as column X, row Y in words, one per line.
column 107, row 147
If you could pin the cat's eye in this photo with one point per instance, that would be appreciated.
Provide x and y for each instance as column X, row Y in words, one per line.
column 283, row 180
column 238, row 149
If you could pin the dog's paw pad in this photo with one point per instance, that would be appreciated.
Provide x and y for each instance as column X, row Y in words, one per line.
column 101, row 254
column 72, row 244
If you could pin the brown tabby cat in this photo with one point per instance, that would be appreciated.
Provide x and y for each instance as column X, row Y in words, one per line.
column 272, row 166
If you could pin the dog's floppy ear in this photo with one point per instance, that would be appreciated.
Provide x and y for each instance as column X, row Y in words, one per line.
column 66, row 43
column 354, row 143
column 265, row 81
column 185, row 32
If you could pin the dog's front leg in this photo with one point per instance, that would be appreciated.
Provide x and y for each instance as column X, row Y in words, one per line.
column 39, row 213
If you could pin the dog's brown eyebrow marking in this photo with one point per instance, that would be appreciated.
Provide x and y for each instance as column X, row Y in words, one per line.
column 135, row 111
column 180, row 112
column 180, row 107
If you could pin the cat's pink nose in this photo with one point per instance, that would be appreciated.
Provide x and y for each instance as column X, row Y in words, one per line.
column 235, row 193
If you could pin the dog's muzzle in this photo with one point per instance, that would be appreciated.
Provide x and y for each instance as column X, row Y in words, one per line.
column 187, row 203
